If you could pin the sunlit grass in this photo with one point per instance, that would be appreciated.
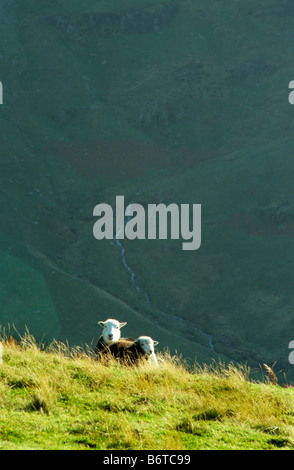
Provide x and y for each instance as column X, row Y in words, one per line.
column 61, row 398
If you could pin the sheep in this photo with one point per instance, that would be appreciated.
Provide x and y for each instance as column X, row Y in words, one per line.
column 111, row 332
column 132, row 352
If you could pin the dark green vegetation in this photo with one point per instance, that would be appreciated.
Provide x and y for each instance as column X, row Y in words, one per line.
column 183, row 102
column 63, row 399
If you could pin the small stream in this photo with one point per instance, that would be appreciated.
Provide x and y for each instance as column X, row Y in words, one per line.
column 138, row 288
column 127, row 267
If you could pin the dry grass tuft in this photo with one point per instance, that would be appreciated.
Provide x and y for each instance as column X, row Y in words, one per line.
column 271, row 374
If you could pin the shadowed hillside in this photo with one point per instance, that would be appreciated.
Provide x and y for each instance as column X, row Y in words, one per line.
column 183, row 102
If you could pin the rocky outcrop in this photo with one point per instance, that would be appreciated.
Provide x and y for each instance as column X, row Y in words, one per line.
column 163, row 112
column 149, row 19
column 134, row 20
column 276, row 212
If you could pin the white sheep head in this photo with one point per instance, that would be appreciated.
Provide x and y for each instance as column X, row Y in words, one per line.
column 147, row 344
column 111, row 330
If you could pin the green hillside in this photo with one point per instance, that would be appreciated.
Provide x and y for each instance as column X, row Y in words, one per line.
column 62, row 399
column 183, row 102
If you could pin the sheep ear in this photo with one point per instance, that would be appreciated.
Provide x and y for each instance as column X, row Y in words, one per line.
column 122, row 324
column 101, row 323
column 155, row 343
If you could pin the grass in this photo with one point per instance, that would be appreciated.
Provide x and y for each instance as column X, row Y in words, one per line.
column 60, row 398
column 240, row 283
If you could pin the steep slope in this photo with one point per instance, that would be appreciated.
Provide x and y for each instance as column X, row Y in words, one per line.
column 60, row 399
column 162, row 102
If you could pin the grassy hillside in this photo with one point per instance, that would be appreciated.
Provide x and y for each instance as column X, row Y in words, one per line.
column 62, row 399
column 183, row 102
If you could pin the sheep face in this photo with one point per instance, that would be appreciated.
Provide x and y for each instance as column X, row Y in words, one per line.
column 147, row 344
column 111, row 330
